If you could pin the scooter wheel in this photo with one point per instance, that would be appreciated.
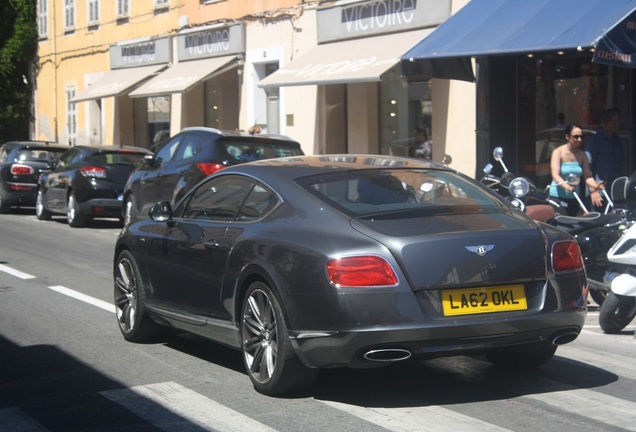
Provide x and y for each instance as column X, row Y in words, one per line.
column 616, row 312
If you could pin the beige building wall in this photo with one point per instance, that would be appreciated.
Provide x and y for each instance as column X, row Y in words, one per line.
column 454, row 119
column 276, row 32
column 73, row 58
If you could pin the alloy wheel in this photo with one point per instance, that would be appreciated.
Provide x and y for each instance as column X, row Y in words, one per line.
column 260, row 336
column 126, row 295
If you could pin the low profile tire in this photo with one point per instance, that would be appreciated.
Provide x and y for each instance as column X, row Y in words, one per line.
column 130, row 210
column 134, row 322
column 270, row 361
column 616, row 313
column 40, row 211
column 522, row 359
column 73, row 213
column 598, row 296
column 4, row 206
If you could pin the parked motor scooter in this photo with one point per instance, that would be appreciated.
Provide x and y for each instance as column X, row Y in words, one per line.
column 522, row 193
column 619, row 308
column 596, row 233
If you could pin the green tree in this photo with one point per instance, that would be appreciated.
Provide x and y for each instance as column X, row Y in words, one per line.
column 18, row 48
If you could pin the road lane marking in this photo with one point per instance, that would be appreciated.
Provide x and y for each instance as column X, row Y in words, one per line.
column 417, row 419
column 83, row 297
column 172, row 407
column 15, row 273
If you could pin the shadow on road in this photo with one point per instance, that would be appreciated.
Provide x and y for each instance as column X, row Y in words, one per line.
column 47, row 386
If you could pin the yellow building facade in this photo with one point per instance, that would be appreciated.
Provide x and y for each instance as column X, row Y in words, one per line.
column 124, row 72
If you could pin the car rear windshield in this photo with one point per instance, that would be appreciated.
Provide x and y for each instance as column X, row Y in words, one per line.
column 38, row 155
column 119, row 158
column 394, row 192
column 247, row 151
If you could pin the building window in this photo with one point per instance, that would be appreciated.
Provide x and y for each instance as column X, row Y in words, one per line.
column 71, row 117
column 123, row 8
column 162, row 4
column 93, row 12
column 43, row 18
column 69, row 15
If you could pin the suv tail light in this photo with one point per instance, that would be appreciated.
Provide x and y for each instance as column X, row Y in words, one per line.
column 93, row 171
column 361, row 271
column 209, row 168
column 566, row 256
column 19, row 169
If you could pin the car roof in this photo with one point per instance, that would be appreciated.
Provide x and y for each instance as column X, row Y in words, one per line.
column 294, row 167
column 35, row 144
column 112, row 148
column 240, row 133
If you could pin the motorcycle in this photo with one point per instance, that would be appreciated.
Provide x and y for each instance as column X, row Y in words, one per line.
column 619, row 308
column 521, row 192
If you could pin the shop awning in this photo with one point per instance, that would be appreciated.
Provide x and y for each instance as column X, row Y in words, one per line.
column 358, row 60
column 506, row 27
column 116, row 82
column 181, row 77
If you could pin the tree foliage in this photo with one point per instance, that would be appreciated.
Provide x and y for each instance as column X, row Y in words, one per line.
column 18, row 47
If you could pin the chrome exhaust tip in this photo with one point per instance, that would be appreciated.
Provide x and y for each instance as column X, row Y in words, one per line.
column 564, row 338
column 387, row 355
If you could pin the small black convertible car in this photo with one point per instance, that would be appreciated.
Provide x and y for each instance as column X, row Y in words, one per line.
column 87, row 182
column 349, row 261
column 21, row 163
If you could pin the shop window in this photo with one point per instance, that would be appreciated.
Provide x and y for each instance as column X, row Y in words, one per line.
column 158, row 118
column 565, row 91
column 404, row 106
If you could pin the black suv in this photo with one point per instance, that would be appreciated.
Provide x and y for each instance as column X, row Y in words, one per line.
column 21, row 163
column 190, row 156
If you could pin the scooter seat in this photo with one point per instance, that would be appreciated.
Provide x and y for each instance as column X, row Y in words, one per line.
column 576, row 224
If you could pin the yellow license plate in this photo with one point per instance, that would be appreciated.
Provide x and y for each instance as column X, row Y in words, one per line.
column 484, row 300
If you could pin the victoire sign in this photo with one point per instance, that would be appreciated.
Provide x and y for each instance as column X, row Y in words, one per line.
column 140, row 53
column 211, row 41
column 368, row 18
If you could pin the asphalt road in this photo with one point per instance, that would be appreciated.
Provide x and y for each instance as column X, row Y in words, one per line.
column 65, row 367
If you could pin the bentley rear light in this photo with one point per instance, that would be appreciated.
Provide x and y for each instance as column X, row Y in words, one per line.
column 93, row 171
column 209, row 168
column 566, row 256
column 361, row 271
column 19, row 169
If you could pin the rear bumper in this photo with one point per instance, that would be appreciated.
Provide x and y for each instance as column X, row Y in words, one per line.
column 104, row 207
column 19, row 193
column 348, row 348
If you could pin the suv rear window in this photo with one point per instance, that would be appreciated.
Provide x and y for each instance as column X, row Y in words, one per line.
column 37, row 155
column 247, row 151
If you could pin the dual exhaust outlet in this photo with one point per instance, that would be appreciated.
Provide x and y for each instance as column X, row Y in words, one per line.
column 399, row 354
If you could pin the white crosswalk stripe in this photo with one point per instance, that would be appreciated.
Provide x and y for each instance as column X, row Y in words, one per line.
column 181, row 408
column 418, row 419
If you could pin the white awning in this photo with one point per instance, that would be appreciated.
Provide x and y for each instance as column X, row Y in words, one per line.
column 116, row 82
column 358, row 60
column 181, row 77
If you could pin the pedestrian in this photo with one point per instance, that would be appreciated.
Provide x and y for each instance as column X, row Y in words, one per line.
column 605, row 148
column 570, row 158
column 422, row 147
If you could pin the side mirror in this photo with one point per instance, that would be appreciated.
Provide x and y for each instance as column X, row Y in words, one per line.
column 161, row 212
column 573, row 179
column 149, row 159
column 497, row 153
column 447, row 159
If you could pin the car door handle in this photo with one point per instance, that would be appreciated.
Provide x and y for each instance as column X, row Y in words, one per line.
column 211, row 244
